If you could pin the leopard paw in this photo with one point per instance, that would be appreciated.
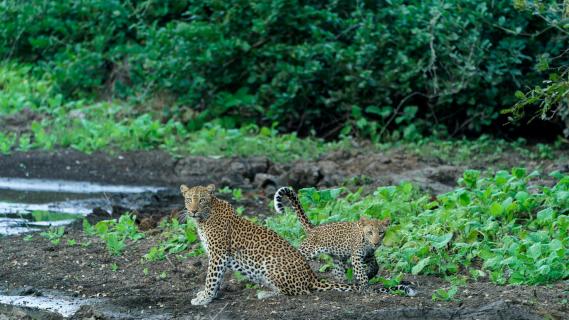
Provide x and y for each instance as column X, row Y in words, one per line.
column 202, row 298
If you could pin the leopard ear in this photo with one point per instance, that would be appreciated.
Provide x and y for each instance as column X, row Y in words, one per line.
column 211, row 188
column 184, row 188
column 364, row 219
column 386, row 221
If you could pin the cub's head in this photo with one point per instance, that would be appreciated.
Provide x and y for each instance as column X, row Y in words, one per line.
column 374, row 230
column 198, row 201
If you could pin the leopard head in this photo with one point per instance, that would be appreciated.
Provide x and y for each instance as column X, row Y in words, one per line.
column 198, row 201
column 374, row 230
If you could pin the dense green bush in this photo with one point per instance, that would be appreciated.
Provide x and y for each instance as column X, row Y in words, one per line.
column 336, row 66
column 552, row 96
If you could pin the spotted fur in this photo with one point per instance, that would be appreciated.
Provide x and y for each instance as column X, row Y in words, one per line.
column 356, row 240
column 234, row 243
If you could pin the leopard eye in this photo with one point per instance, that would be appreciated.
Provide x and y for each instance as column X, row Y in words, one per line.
column 202, row 201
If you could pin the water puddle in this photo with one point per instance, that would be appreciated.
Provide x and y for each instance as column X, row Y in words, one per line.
column 69, row 186
column 65, row 306
column 28, row 205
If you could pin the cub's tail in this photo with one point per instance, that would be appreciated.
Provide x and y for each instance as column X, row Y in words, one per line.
column 291, row 195
column 322, row 285
column 404, row 287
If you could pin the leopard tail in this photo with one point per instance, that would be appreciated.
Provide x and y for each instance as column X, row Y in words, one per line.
column 322, row 285
column 291, row 195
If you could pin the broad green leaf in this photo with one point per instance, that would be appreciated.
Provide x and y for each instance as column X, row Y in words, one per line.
column 420, row 266
column 545, row 215
column 496, row 209
column 392, row 236
column 440, row 241
column 519, row 172
column 464, row 199
column 535, row 251
column 555, row 245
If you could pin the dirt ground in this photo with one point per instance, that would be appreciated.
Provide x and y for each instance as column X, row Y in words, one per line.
column 165, row 289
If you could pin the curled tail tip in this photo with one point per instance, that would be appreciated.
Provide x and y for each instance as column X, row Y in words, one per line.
column 279, row 208
column 411, row 292
column 278, row 198
column 406, row 289
column 284, row 191
column 281, row 189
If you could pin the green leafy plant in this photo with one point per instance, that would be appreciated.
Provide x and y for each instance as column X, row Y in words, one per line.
column 7, row 142
column 177, row 238
column 54, row 235
column 115, row 232
column 236, row 194
column 445, row 294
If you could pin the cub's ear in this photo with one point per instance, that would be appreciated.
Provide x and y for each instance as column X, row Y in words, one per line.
column 184, row 188
column 211, row 188
column 364, row 218
column 386, row 221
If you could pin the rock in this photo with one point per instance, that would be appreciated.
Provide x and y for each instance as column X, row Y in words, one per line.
column 302, row 174
column 331, row 174
column 262, row 180
column 88, row 312
column 233, row 181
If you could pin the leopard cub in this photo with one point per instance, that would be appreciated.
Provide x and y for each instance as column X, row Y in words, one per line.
column 355, row 240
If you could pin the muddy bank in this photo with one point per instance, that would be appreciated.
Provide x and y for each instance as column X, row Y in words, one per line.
column 358, row 166
column 163, row 289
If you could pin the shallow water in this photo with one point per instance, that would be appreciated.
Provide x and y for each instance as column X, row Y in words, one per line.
column 69, row 186
column 28, row 205
column 64, row 306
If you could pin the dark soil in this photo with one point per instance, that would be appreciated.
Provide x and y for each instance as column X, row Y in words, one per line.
column 169, row 285
column 165, row 289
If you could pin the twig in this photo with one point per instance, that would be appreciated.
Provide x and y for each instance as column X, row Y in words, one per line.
column 220, row 311
column 397, row 111
column 431, row 66
column 170, row 261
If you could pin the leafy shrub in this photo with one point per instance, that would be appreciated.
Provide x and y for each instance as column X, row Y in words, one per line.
column 115, row 232
column 552, row 95
column 54, row 234
column 20, row 90
column 335, row 66
column 177, row 237
column 501, row 226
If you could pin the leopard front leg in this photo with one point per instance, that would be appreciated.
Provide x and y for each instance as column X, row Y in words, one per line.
column 360, row 270
column 215, row 271
column 372, row 266
column 339, row 270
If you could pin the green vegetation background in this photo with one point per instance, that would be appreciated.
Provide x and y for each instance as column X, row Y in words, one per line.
column 384, row 70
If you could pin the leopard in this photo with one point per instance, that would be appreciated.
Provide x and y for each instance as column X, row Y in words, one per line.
column 355, row 240
column 234, row 243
